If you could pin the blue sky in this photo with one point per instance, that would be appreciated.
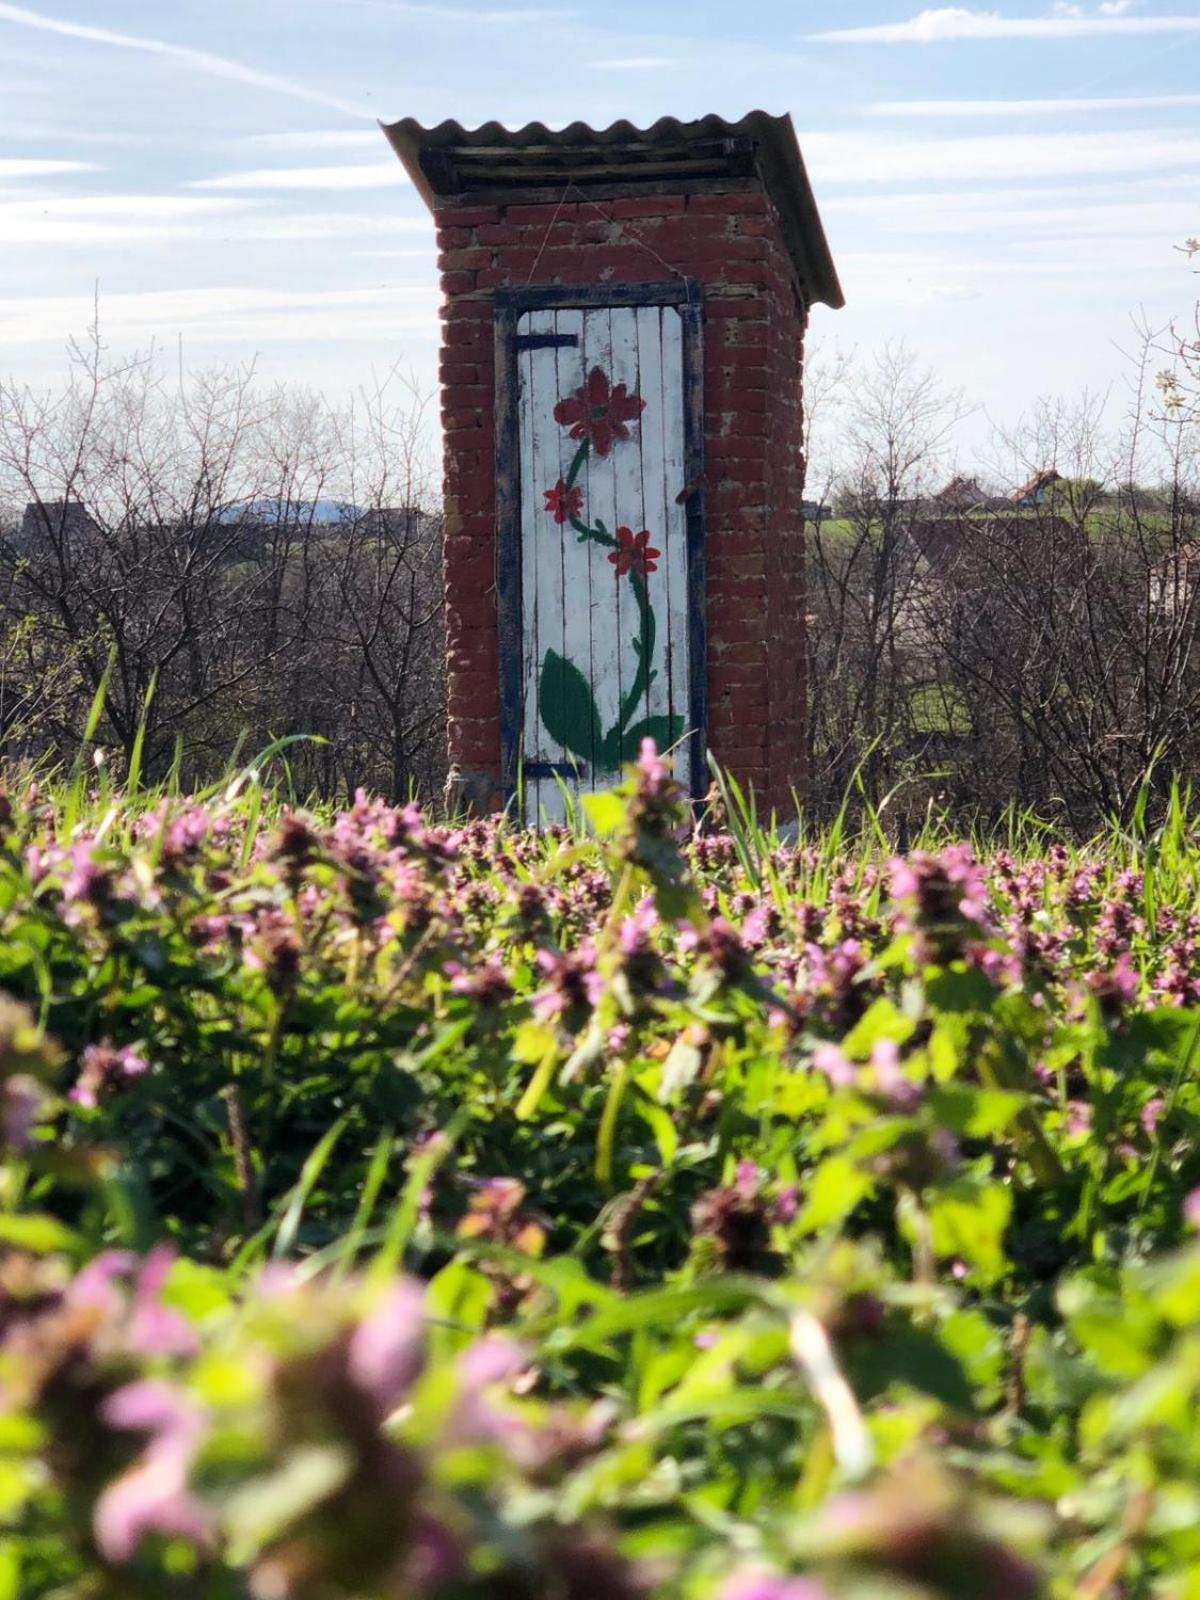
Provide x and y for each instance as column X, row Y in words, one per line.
column 1003, row 184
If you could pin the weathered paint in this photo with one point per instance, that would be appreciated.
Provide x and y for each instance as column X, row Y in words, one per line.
column 605, row 647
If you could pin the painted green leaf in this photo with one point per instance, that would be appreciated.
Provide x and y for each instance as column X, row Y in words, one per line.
column 567, row 707
column 628, row 746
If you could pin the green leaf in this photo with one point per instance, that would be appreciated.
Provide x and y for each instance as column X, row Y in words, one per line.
column 261, row 1510
column 662, row 1125
column 681, row 1068
column 39, row 1234
column 539, row 1083
column 567, row 707
column 968, row 1220
column 310, row 1174
column 913, row 1357
column 606, row 813
column 979, row 1113
column 881, row 1021
column 10, row 1570
column 627, row 746
column 837, row 1187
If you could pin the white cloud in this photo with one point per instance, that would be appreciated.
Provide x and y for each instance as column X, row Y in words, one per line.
column 118, row 219
column 890, row 158
column 201, row 60
column 1028, row 108
column 1019, row 217
column 18, row 168
column 636, row 64
column 109, row 219
column 456, row 16
column 228, row 315
column 380, row 175
column 956, row 22
column 316, row 139
column 329, row 225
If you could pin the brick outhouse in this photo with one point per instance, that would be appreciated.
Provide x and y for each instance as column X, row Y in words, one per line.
column 621, row 368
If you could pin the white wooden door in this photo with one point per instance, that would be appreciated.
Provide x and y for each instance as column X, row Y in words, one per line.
column 604, row 553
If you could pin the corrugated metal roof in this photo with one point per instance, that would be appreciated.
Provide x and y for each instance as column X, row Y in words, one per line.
column 449, row 162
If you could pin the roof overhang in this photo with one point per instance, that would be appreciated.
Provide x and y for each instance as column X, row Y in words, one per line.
column 453, row 165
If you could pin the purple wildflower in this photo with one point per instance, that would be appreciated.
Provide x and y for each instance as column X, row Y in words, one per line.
column 840, row 1071
column 718, row 946
column 153, row 1497
column 493, row 1362
column 943, row 896
column 1116, row 989
column 890, row 1080
column 573, row 984
column 655, row 779
column 769, row 1586
column 21, row 1105
column 387, row 1349
column 486, row 982
column 104, row 1070
column 156, row 1329
column 86, row 880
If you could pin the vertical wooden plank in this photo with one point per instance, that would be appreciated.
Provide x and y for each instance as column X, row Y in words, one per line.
column 629, row 510
column 546, row 559
column 509, row 479
column 530, row 540
column 675, row 482
column 649, row 509
column 674, row 549
column 568, row 376
column 650, row 466
column 692, row 319
column 597, row 587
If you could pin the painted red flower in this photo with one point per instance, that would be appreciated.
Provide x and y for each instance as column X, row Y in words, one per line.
column 599, row 413
column 563, row 503
column 634, row 553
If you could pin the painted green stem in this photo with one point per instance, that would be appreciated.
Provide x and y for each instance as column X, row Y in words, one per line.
column 574, row 708
column 581, row 456
column 644, row 649
column 643, row 644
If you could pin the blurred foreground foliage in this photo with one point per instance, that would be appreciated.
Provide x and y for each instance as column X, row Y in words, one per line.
column 391, row 1209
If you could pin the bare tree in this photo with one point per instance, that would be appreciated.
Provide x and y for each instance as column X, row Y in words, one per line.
column 868, row 654
column 1071, row 629
column 228, row 560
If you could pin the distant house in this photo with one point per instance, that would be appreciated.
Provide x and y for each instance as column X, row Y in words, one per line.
column 270, row 512
column 45, row 522
column 255, row 523
column 1033, row 493
column 814, row 511
column 960, row 494
column 1175, row 582
column 961, row 555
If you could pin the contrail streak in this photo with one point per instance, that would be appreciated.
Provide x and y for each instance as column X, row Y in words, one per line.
column 202, row 60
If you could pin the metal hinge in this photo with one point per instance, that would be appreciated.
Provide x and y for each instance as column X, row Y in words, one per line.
column 555, row 769
column 546, row 341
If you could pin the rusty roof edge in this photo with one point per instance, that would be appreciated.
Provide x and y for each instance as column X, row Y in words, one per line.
column 779, row 160
column 812, row 245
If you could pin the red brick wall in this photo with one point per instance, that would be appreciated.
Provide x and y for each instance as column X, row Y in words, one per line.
column 753, row 347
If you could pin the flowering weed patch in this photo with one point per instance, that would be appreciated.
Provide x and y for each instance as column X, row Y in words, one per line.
column 391, row 1209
